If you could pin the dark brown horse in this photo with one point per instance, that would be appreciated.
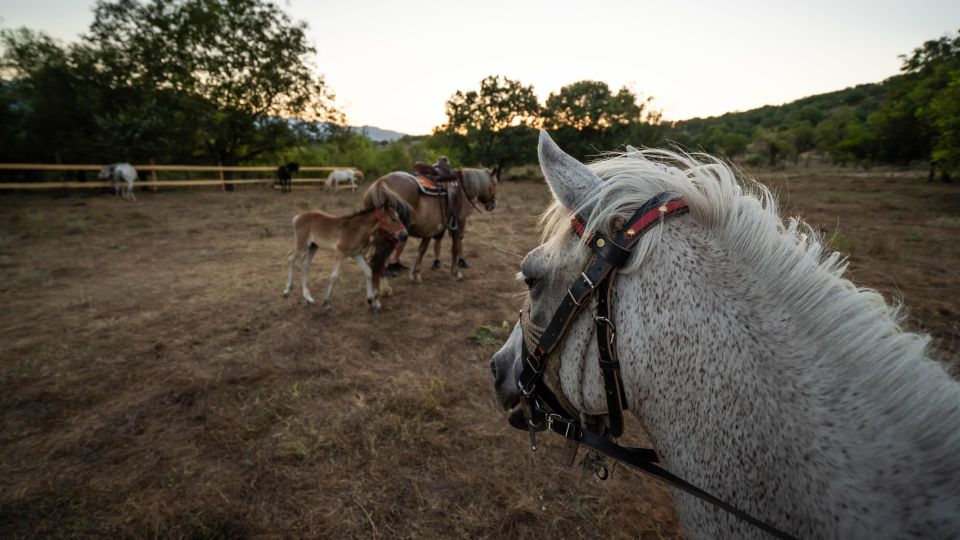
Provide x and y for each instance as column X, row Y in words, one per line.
column 479, row 185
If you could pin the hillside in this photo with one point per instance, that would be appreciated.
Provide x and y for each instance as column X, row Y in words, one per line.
column 862, row 100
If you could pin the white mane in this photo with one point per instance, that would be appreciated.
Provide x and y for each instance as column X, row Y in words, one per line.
column 741, row 215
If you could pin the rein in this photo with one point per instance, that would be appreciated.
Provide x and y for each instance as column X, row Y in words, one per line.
column 545, row 410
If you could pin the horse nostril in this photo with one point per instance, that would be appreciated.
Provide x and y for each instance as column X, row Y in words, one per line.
column 402, row 236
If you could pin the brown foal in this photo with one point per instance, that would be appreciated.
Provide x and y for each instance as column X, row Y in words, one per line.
column 348, row 236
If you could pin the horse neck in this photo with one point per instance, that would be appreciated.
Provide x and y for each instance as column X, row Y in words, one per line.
column 358, row 220
column 745, row 395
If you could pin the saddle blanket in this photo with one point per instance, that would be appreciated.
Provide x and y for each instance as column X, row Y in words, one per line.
column 428, row 186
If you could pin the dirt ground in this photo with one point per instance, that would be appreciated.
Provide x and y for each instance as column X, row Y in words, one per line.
column 157, row 384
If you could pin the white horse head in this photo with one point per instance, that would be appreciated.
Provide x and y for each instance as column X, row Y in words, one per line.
column 760, row 373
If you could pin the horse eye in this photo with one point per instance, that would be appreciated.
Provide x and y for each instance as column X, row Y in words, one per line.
column 530, row 281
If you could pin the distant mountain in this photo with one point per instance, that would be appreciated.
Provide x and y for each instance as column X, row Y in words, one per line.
column 378, row 135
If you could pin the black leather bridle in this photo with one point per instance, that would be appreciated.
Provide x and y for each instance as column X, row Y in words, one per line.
column 544, row 410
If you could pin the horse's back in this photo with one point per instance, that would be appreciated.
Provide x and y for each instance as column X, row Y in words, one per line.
column 125, row 172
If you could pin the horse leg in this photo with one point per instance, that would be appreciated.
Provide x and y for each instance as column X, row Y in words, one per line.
column 398, row 251
column 334, row 274
column 297, row 253
column 372, row 299
column 415, row 271
column 456, row 249
column 304, row 265
column 437, row 240
column 130, row 194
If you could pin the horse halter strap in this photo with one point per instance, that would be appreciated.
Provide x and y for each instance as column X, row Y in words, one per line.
column 384, row 225
column 609, row 256
column 544, row 410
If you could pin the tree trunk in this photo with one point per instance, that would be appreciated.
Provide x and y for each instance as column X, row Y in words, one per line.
column 932, row 174
column 228, row 160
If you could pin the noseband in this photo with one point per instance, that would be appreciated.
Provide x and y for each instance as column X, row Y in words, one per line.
column 544, row 410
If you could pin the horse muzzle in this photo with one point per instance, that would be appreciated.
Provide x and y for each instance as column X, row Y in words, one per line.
column 402, row 236
column 491, row 206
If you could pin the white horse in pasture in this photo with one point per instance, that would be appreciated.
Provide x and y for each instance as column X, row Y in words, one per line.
column 349, row 177
column 120, row 175
column 760, row 373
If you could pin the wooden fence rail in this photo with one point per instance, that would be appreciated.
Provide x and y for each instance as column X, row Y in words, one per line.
column 153, row 182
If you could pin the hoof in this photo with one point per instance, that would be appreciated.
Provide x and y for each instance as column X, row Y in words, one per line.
column 436, row 264
column 462, row 263
column 459, row 276
column 286, row 294
column 327, row 306
column 375, row 304
column 310, row 301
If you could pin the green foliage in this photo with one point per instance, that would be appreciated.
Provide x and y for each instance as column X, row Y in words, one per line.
column 587, row 118
column 944, row 116
column 907, row 118
column 492, row 127
column 241, row 65
column 206, row 80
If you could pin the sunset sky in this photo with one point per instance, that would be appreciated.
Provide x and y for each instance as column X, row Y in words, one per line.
column 393, row 64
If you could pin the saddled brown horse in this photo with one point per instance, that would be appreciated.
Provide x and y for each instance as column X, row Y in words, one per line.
column 479, row 185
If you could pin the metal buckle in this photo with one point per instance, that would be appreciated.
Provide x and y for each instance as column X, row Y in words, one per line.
column 608, row 322
column 570, row 292
column 527, row 390
column 530, row 364
column 585, row 278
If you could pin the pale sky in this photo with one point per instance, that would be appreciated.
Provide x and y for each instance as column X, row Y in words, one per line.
column 393, row 64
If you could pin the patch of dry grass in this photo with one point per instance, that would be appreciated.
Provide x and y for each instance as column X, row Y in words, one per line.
column 156, row 384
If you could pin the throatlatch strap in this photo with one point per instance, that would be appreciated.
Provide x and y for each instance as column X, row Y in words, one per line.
column 608, row 360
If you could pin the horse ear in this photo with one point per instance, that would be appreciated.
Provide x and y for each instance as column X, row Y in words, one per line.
column 570, row 181
column 632, row 150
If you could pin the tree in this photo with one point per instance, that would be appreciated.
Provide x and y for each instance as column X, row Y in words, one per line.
column 495, row 126
column 46, row 99
column 905, row 128
column 240, row 69
column 586, row 117
column 944, row 115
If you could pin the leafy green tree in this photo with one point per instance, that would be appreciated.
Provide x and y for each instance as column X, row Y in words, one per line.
column 905, row 127
column 495, row 126
column 46, row 99
column 586, row 117
column 944, row 115
column 771, row 148
column 240, row 68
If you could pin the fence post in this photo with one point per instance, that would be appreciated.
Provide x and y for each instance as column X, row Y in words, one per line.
column 153, row 175
column 223, row 181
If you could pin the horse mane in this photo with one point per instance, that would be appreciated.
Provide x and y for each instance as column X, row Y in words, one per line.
column 742, row 215
column 379, row 195
column 476, row 179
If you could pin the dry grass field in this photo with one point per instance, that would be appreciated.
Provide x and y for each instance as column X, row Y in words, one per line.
column 157, row 384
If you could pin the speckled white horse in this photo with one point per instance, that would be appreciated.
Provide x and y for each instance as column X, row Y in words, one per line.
column 760, row 373
column 121, row 177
